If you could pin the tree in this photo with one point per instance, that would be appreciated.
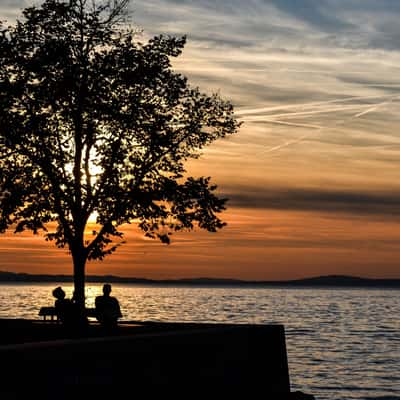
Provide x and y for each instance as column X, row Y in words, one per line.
column 95, row 123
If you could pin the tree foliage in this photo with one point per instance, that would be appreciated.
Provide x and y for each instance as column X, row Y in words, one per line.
column 94, row 122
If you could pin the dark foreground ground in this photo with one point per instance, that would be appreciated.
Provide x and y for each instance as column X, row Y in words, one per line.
column 44, row 360
column 19, row 331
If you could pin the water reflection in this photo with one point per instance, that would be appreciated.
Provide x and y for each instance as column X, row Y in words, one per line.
column 342, row 344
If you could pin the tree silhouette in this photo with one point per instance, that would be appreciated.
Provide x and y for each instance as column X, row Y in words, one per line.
column 95, row 123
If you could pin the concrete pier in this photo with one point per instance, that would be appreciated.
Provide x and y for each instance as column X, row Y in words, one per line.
column 146, row 357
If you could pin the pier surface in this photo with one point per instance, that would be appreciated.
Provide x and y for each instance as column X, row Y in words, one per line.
column 147, row 356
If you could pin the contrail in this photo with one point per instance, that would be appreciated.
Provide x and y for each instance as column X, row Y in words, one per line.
column 286, row 144
column 376, row 107
column 308, row 113
column 279, row 122
column 303, row 137
column 306, row 105
column 367, row 111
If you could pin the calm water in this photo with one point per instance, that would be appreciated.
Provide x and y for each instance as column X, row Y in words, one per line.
column 342, row 343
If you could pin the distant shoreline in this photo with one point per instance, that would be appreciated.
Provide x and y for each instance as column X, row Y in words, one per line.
column 320, row 281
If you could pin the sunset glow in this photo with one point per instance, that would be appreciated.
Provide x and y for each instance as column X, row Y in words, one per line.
column 312, row 175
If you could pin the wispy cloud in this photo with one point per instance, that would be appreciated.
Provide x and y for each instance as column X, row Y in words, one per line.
column 267, row 115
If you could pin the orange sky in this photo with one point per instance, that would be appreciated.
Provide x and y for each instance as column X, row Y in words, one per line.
column 313, row 174
column 256, row 244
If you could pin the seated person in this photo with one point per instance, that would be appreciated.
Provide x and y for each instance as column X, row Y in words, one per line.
column 107, row 308
column 64, row 307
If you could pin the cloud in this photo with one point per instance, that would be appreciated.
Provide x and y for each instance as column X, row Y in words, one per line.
column 11, row 9
column 305, row 199
column 275, row 60
column 318, row 13
column 288, row 24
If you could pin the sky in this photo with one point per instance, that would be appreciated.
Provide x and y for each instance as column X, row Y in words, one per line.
column 313, row 175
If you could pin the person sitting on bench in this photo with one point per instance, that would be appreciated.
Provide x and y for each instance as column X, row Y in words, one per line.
column 107, row 308
column 64, row 307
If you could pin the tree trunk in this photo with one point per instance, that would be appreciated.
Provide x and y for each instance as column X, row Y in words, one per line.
column 79, row 277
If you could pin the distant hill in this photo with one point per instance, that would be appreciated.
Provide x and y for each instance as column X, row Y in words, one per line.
column 344, row 280
column 320, row 281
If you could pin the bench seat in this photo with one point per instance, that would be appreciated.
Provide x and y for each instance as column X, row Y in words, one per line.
column 51, row 312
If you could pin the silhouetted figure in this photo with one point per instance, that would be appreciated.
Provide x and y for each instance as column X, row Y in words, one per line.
column 64, row 307
column 107, row 308
column 80, row 317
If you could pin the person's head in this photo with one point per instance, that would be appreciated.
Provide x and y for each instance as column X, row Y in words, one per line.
column 58, row 293
column 107, row 289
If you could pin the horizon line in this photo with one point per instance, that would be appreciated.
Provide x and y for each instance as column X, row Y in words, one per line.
column 205, row 280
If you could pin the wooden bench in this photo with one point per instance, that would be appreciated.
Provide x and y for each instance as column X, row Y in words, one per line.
column 48, row 312
column 51, row 312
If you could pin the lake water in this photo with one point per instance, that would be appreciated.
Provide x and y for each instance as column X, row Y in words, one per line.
column 342, row 343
